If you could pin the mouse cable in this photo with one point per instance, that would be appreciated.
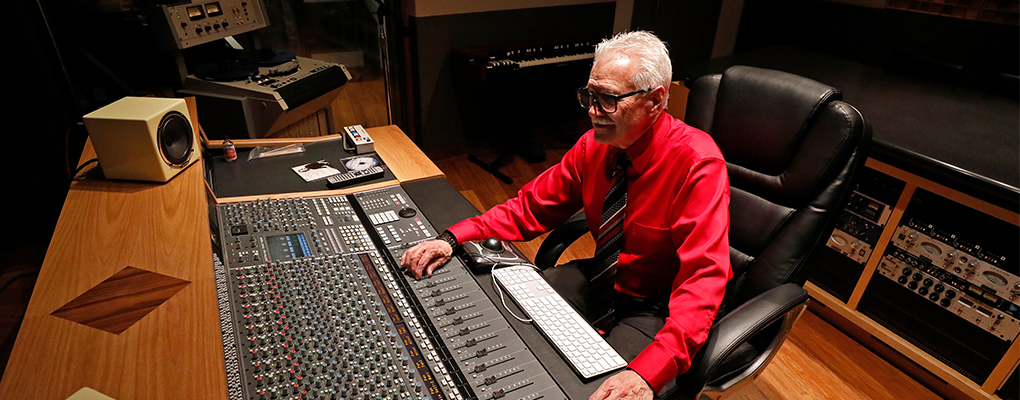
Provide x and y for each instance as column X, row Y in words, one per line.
column 500, row 290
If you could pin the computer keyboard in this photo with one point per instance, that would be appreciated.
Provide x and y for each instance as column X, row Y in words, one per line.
column 569, row 333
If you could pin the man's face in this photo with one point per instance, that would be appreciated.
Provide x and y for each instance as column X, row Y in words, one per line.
column 634, row 114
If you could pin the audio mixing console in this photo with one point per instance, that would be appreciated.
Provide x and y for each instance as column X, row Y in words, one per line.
column 314, row 306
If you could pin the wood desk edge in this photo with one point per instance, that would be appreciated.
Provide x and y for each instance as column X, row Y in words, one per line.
column 134, row 217
column 161, row 228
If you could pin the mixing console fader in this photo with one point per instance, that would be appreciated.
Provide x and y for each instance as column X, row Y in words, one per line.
column 314, row 306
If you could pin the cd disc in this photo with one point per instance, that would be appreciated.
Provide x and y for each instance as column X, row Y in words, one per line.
column 360, row 163
column 226, row 71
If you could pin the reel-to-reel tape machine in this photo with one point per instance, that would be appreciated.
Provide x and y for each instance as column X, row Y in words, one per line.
column 256, row 90
column 250, row 93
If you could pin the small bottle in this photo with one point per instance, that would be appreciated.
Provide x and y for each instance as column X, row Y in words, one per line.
column 229, row 151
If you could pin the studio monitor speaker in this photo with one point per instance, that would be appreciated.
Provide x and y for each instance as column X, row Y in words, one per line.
column 143, row 138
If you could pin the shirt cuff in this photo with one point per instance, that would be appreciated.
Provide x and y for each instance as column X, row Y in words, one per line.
column 464, row 230
column 655, row 364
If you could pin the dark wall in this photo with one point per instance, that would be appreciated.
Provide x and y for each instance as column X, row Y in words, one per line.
column 882, row 36
column 440, row 118
column 687, row 26
column 38, row 116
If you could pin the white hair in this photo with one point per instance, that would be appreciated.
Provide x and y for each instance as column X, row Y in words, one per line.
column 654, row 70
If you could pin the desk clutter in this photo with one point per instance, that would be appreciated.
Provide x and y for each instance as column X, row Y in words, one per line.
column 296, row 172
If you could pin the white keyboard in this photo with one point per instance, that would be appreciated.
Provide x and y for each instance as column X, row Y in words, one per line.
column 572, row 336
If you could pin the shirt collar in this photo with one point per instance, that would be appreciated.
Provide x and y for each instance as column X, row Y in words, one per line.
column 640, row 153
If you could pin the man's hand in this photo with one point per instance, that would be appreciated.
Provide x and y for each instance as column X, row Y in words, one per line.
column 625, row 385
column 426, row 257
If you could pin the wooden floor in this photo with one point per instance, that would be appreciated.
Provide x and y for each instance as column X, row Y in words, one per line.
column 817, row 361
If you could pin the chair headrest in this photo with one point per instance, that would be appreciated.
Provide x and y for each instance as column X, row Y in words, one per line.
column 761, row 114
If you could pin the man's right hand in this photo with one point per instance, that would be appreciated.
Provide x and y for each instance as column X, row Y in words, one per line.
column 425, row 257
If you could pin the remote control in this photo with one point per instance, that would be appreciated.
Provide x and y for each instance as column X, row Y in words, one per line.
column 350, row 178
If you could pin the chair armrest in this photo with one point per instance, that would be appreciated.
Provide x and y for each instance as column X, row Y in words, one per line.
column 780, row 304
column 557, row 242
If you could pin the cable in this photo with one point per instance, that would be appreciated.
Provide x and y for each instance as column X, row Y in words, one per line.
column 67, row 153
column 81, row 167
column 500, row 290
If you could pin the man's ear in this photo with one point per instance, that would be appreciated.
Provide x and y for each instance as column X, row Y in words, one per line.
column 658, row 98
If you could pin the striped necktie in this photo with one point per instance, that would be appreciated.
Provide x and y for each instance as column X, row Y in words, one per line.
column 609, row 241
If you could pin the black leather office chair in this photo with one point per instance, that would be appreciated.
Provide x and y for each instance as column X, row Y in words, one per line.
column 791, row 148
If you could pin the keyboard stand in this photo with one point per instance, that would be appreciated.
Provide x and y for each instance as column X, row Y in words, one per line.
column 503, row 159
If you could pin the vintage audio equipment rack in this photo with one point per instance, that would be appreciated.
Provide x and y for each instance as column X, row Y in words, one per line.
column 932, row 273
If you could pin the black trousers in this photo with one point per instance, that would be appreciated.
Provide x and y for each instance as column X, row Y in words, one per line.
column 635, row 321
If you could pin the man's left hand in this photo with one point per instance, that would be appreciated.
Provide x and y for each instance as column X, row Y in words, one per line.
column 625, row 385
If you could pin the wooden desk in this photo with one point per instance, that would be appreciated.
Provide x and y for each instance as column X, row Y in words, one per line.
column 174, row 351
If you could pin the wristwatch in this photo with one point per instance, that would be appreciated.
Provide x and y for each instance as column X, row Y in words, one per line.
column 448, row 237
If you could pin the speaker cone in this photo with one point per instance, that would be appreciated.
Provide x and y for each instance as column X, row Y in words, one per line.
column 175, row 139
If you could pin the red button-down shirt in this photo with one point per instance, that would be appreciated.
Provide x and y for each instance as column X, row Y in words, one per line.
column 675, row 231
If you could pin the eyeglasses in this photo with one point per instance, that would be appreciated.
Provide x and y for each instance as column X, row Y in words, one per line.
column 605, row 102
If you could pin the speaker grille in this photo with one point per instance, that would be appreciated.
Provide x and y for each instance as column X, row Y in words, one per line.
column 176, row 139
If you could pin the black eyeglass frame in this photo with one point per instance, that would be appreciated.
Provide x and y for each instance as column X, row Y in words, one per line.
column 593, row 98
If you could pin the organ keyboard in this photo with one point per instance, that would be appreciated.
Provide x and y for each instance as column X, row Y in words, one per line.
column 494, row 59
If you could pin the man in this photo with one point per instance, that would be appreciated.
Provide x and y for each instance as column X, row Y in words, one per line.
column 668, row 277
